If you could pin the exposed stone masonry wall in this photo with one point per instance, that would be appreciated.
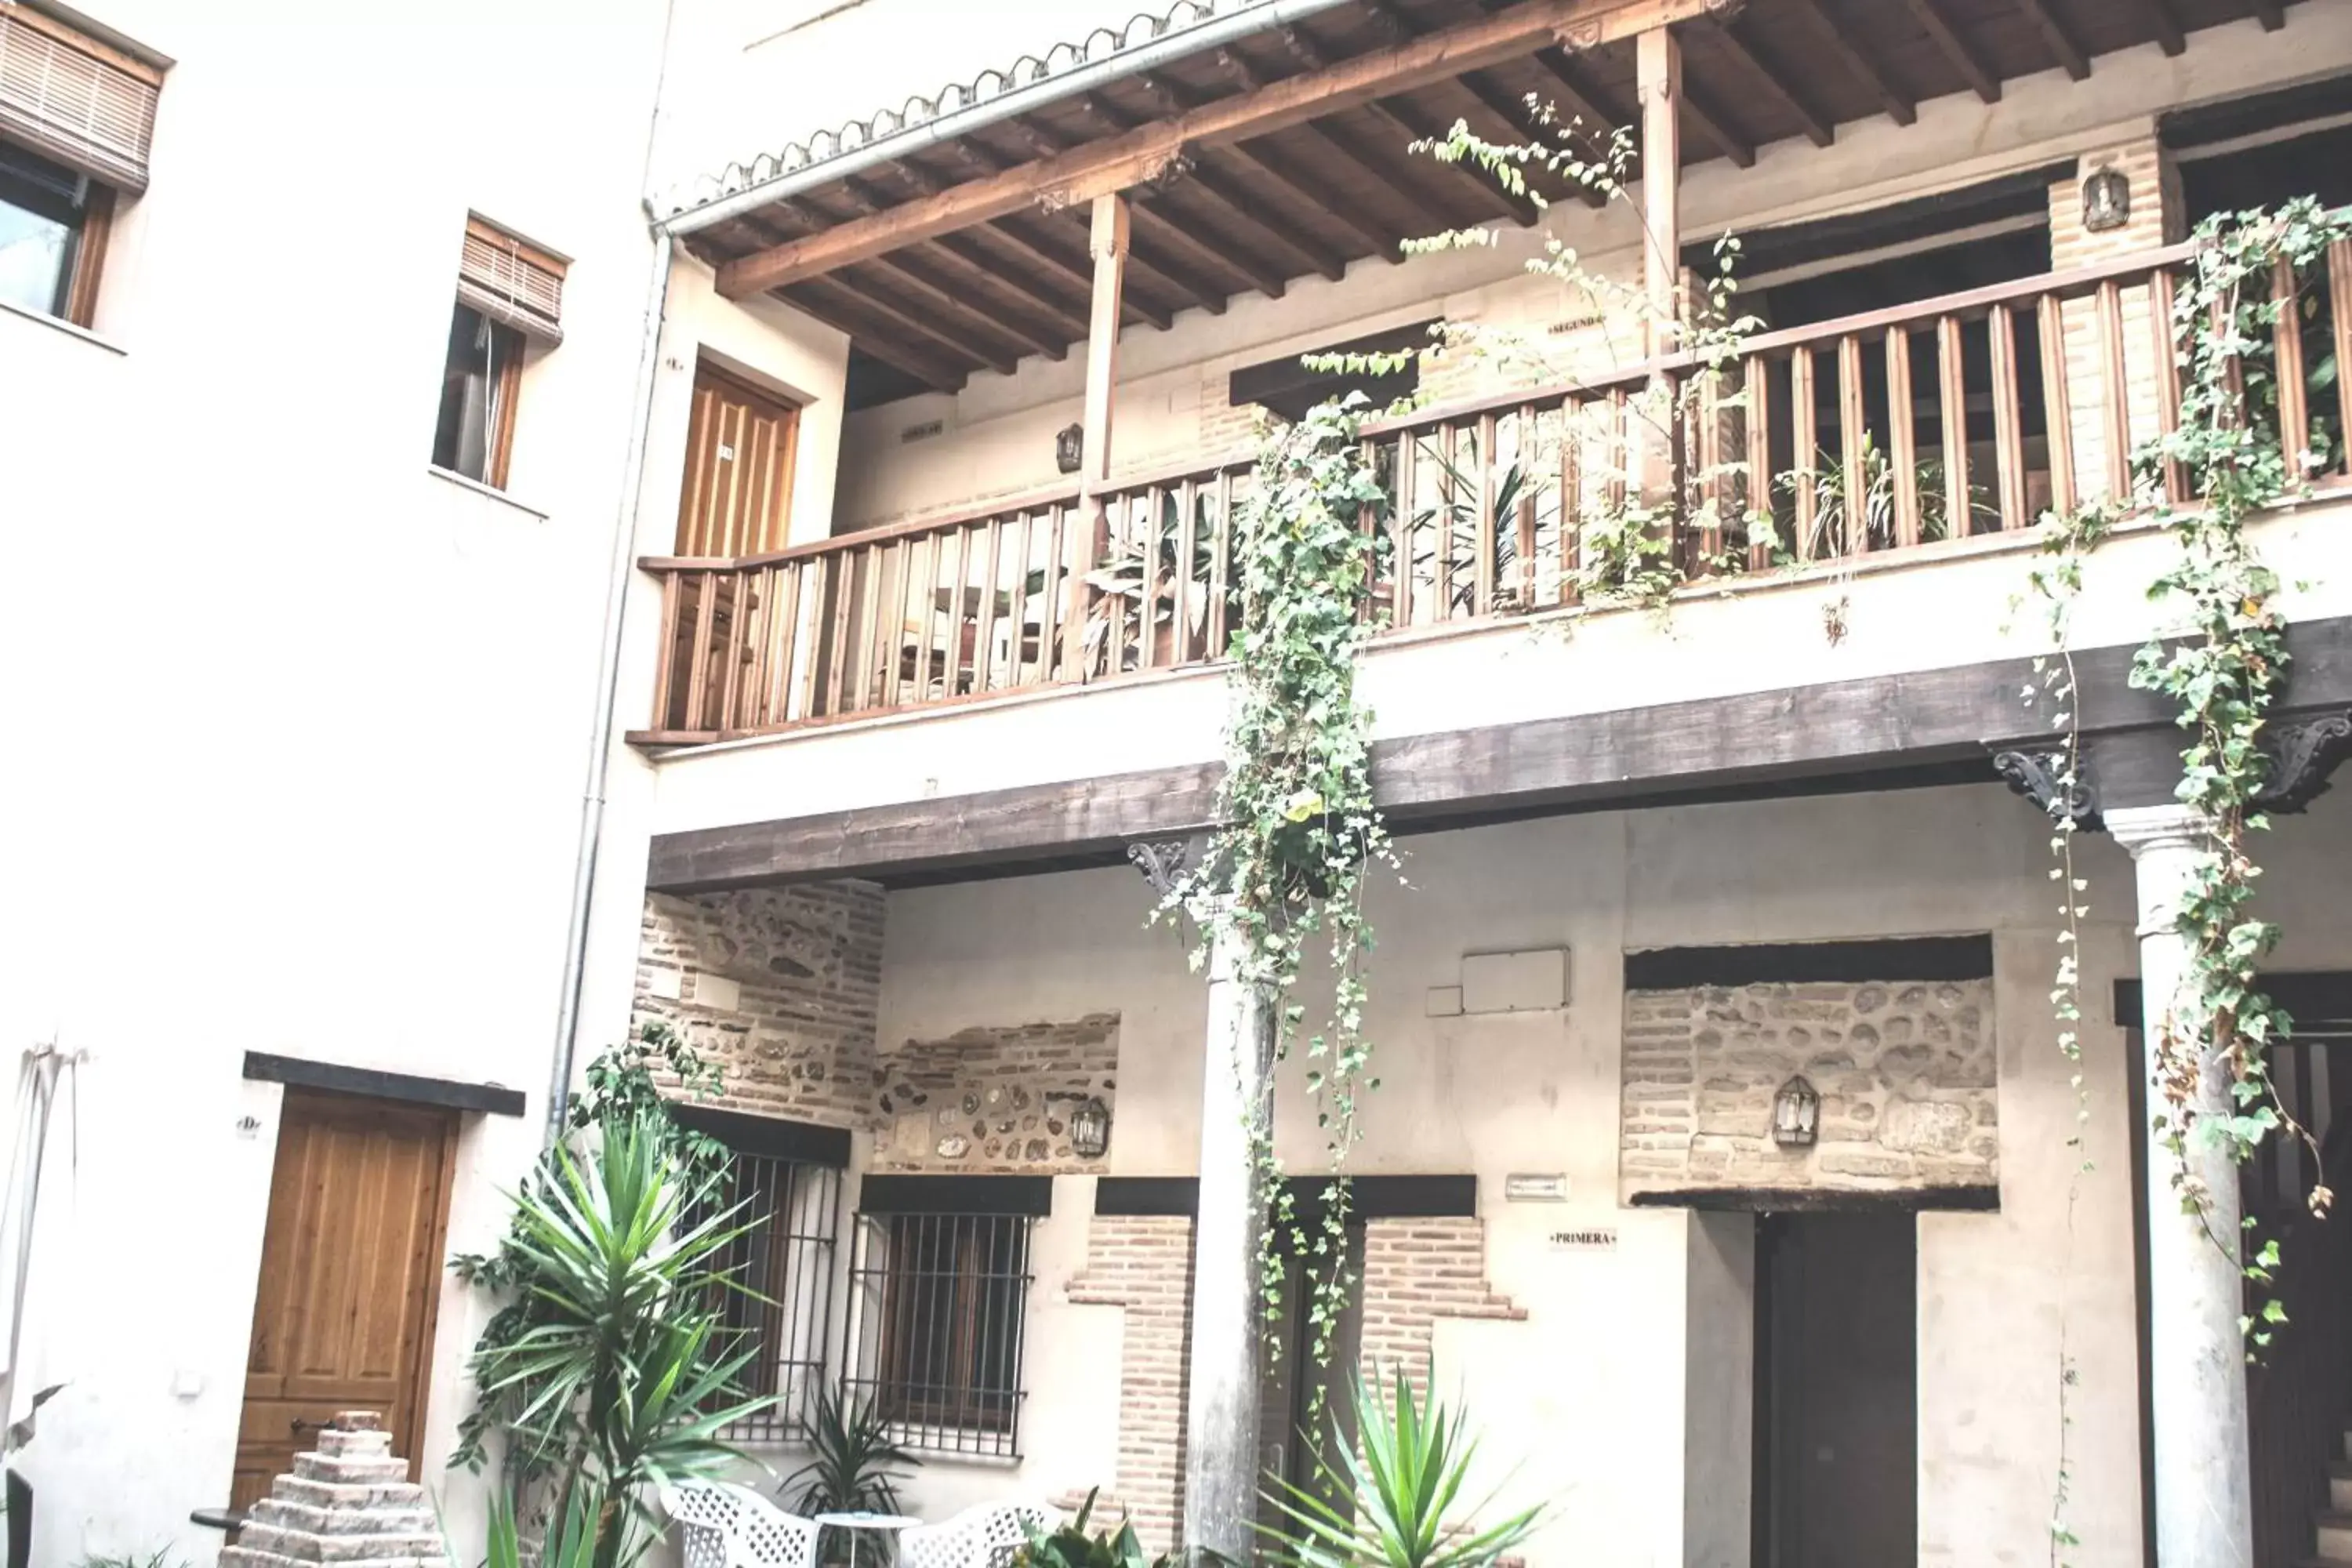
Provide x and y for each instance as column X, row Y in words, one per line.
column 791, row 1018
column 1905, row 1072
column 994, row 1099
column 1144, row 1263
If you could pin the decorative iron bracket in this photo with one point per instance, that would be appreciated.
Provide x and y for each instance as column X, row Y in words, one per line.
column 2303, row 752
column 1162, row 862
column 2035, row 775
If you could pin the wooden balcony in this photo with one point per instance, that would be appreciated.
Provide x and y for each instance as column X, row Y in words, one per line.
column 2021, row 398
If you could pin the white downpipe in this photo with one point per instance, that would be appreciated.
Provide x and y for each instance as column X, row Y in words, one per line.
column 1037, row 95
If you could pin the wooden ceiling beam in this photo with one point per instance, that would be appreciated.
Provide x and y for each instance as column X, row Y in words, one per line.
column 1034, row 315
column 1899, row 106
column 1955, row 49
column 1817, row 127
column 1045, row 260
column 2271, row 14
column 1231, row 200
column 894, row 271
column 1399, row 28
column 1077, row 176
column 1400, row 118
column 1153, row 255
column 963, row 251
column 1708, row 121
column 924, row 366
column 2053, row 30
column 1528, row 123
column 1077, row 270
column 910, row 325
column 1169, row 100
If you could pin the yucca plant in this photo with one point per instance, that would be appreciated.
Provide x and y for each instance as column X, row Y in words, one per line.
column 570, row 1541
column 624, row 1377
column 1069, row 1546
column 855, row 1465
column 1386, row 1502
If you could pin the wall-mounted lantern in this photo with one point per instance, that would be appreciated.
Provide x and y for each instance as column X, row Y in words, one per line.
column 2107, row 200
column 1090, row 1130
column 1796, row 1114
column 1070, row 447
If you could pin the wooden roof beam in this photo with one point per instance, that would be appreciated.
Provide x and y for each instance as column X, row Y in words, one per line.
column 910, row 326
column 962, row 252
column 1233, row 200
column 2062, row 45
column 1709, row 122
column 1400, row 28
column 1028, row 251
column 1080, row 270
column 1525, row 121
column 1955, row 49
column 1185, row 277
column 1899, row 106
column 1169, row 100
column 1818, row 130
column 1077, row 176
column 846, row 317
column 2271, row 14
column 970, row 323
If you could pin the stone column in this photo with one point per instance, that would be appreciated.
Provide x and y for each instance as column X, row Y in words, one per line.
column 1221, row 1399
column 2204, row 1515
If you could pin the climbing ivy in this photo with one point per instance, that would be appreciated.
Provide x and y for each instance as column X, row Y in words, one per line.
column 1299, row 826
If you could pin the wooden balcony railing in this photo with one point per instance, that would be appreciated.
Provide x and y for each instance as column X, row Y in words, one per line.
column 1971, row 413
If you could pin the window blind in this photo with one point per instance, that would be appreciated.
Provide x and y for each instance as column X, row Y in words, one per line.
column 512, row 281
column 76, row 100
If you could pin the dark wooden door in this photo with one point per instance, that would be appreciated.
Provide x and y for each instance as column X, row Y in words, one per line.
column 350, row 1270
column 1837, row 1404
column 738, row 489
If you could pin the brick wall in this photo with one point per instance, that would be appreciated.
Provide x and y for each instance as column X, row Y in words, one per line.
column 1144, row 1263
column 1906, row 1075
column 1415, row 1272
column 995, row 1099
column 2156, row 219
column 779, row 985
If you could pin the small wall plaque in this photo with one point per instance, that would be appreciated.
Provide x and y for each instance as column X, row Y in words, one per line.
column 1597, row 1239
column 1534, row 1188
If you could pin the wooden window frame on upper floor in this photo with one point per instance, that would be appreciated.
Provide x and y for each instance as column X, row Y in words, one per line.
column 510, row 302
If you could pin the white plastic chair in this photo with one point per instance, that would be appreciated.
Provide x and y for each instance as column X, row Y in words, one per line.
column 983, row 1536
column 729, row 1526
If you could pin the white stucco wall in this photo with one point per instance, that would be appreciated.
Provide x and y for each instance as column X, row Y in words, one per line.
column 1595, row 1396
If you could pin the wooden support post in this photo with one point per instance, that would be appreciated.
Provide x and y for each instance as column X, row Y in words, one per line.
column 1659, row 64
column 1108, row 245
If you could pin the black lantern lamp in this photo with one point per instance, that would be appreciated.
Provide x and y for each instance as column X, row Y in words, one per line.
column 1070, row 447
column 1796, row 1114
column 2107, row 200
column 1090, row 1130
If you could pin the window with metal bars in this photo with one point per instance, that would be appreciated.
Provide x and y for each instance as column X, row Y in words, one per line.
column 784, row 1185
column 939, row 1299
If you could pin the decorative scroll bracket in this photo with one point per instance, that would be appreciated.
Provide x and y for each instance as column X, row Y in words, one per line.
column 1163, row 861
column 2303, row 752
column 2036, row 775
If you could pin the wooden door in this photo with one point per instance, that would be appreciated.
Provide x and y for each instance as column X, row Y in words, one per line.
column 739, row 470
column 350, row 1273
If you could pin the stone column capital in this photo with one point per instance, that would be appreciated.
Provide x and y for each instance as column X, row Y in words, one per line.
column 2149, row 829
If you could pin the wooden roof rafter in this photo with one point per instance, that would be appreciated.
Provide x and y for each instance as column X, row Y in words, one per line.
column 1899, row 106
column 2059, row 36
column 1817, row 126
column 1956, row 51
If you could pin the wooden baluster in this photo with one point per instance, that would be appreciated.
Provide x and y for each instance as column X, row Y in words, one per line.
column 2116, row 378
column 1804, row 419
column 811, row 573
column 1146, row 620
column 1524, row 544
column 1620, row 451
column 665, row 715
column 2166, row 357
column 1902, row 438
column 863, row 672
column 1400, row 532
column 1853, row 443
column 1484, row 547
column 1571, row 501
column 2057, row 404
column 1056, row 655
column 1187, row 535
column 983, row 639
column 706, row 598
column 1115, row 645
column 2339, row 310
column 959, row 597
column 1448, row 478
column 755, row 649
column 1714, row 496
column 1219, row 632
column 775, row 699
column 1952, row 404
column 922, row 590
column 2008, row 419
column 893, row 626
column 1368, row 523
column 1016, row 637
column 1756, row 389
column 2294, row 390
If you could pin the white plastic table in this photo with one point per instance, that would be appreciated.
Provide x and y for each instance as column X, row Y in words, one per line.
column 853, row 1522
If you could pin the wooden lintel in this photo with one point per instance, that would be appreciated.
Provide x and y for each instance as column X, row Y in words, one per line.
column 2064, row 48
column 1081, row 173
column 1955, row 49
column 1899, row 106
column 1818, row 129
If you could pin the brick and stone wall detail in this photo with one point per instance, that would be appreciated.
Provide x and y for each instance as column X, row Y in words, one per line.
column 1415, row 1272
column 792, row 1023
column 1144, row 1263
column 1907, row 1074
column 995, row 1099
column 347, row 1503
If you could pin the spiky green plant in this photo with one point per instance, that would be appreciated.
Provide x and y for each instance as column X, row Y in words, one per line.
column 855, row 1463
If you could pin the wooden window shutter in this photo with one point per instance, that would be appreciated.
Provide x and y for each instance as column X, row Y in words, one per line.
column 512, row 280
column 74, row 99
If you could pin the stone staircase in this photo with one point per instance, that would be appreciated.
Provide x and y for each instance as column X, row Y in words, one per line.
column 350, row 1503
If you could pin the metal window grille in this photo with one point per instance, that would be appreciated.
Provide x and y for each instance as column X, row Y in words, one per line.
column 938, row 1304
column 784, row 1263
